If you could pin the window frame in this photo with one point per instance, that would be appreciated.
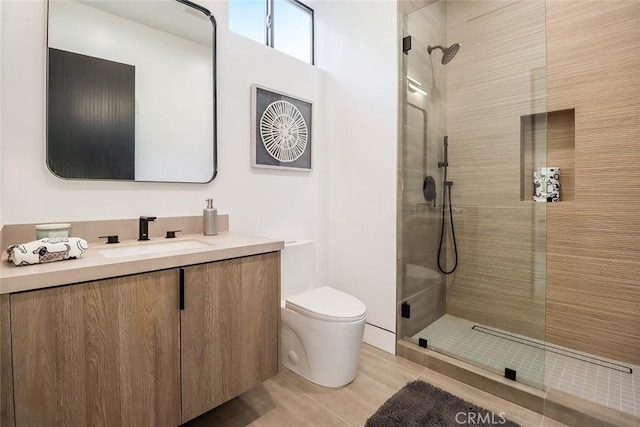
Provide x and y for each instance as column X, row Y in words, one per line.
column 270, row 25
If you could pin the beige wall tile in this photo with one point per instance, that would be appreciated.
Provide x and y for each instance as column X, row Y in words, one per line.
column 594, row 258
column 496, row 77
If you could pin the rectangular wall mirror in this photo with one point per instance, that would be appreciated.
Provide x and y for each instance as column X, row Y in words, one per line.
column 131, row 90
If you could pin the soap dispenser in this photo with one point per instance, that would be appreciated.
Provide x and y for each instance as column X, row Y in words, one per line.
column 209, row 215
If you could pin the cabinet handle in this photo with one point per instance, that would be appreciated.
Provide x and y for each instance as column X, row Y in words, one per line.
column 181, row 289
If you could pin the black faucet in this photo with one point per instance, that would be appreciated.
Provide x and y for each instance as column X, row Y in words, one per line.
column 143, row 230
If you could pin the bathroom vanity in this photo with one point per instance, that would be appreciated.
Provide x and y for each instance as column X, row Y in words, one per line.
column 154, row 339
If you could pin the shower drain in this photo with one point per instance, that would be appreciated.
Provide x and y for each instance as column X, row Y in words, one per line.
column 554, row 349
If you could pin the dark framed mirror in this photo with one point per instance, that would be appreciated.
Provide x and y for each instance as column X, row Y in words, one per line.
column 131, row 90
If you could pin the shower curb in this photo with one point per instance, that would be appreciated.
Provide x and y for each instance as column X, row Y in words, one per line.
column 552, row 403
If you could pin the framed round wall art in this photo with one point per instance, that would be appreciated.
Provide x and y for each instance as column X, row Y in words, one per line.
column 281, row 130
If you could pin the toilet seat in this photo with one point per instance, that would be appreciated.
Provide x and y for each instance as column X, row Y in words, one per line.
column 327, row 304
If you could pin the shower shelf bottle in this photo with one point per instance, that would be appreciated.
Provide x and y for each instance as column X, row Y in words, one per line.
column 209, row 215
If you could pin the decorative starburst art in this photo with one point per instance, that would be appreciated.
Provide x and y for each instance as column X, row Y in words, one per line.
column 281, row 130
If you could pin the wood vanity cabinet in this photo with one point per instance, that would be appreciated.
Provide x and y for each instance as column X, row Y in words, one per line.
column 6, row 379
column 102, row 353
column 121, row 351
column 229, row 331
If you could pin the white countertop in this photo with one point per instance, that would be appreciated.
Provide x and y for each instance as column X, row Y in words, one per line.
column 94, row 266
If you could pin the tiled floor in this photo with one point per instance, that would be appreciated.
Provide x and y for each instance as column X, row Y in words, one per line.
column 580, row 374
column 290, row 400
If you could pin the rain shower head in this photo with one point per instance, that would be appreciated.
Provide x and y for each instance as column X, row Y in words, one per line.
column 447, row 52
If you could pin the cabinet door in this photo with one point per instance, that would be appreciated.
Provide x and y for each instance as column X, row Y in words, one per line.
column 260, row 322
column 6, row 385
column 103, row 353
column 229, row 330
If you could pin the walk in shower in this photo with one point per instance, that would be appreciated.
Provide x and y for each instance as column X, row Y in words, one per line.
column 474, row 77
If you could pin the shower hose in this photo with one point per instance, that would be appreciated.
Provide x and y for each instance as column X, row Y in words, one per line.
column 447, row 189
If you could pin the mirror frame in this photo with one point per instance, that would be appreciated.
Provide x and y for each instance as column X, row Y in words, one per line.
column 212, row 19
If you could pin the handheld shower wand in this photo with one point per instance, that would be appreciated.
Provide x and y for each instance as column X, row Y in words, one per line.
column 445, row 164
column 447, row 189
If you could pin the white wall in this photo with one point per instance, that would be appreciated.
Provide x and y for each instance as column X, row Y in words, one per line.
column 264, row 202
column 1, row 133
column 347, row 202
column 357, row 43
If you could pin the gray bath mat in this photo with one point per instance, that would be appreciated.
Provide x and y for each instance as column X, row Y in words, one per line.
column 419, row 404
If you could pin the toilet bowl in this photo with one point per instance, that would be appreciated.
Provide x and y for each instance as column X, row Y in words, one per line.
column 321, row 335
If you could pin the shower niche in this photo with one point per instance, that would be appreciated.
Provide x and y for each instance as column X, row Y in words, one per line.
column 548, row 140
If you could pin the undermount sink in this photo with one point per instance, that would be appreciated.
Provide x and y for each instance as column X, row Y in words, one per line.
column 152, row 248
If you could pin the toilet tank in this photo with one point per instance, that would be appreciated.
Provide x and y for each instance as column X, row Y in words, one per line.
column 298, row 267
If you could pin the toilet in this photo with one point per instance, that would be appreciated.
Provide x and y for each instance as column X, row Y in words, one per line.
column 322, row 327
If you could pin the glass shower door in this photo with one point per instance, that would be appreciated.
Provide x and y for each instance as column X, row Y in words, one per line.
column 489, row 99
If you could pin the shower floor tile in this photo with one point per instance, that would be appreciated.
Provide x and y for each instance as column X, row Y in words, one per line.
column 604, row 381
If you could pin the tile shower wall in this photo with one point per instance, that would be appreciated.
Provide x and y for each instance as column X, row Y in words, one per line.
column 423, row 126
column 497, row 76
column 593, row 289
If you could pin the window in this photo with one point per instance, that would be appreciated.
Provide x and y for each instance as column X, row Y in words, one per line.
column 248, row 17
column 286, row 25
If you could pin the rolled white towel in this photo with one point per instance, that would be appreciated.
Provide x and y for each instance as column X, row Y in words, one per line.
column 47, row 250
